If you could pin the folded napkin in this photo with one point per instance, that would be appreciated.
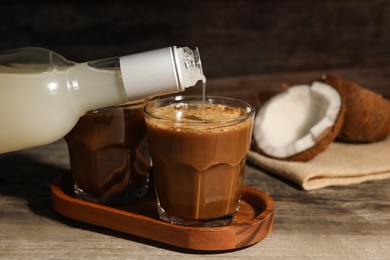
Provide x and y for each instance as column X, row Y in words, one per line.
column 340, row 164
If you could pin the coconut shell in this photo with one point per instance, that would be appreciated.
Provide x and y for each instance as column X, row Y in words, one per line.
column 367, row 116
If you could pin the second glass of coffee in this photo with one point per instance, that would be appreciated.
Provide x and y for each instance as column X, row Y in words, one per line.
column 109, row 155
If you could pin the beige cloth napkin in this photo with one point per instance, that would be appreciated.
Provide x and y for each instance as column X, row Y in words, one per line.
column 340, row 164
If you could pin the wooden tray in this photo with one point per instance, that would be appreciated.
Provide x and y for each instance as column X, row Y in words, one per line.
column 253, row 222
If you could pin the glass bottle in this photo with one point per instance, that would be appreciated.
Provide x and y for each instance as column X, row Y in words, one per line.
column 42, row 94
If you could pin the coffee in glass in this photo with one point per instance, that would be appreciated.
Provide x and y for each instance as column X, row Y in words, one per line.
column 198, row 149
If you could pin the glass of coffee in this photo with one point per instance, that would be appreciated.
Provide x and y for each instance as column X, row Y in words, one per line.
column 109, row 155
column 198, row 148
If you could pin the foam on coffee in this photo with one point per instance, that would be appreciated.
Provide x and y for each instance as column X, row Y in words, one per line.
column 195, row 113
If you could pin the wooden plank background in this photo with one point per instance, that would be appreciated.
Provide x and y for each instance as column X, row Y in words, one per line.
column 235, row 37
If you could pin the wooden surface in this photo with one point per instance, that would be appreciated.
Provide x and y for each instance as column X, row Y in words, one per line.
column 349, row 222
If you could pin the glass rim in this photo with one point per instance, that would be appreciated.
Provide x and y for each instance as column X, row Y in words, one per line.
column 250, row 109
column 133, row 104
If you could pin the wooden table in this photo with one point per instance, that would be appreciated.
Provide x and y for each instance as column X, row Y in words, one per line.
column 349, row 222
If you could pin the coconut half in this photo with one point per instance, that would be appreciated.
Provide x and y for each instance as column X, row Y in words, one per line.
column 300, row 122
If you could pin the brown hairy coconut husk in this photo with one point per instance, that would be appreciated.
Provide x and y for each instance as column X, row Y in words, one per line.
column 367, row 116
column 300, row 122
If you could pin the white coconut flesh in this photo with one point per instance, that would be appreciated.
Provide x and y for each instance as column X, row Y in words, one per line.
column 292, row 121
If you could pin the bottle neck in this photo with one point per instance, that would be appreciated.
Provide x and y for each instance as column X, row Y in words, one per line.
column 113, row 81
column 161, row 71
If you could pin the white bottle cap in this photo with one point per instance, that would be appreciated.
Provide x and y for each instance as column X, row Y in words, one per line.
column 160, row 71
